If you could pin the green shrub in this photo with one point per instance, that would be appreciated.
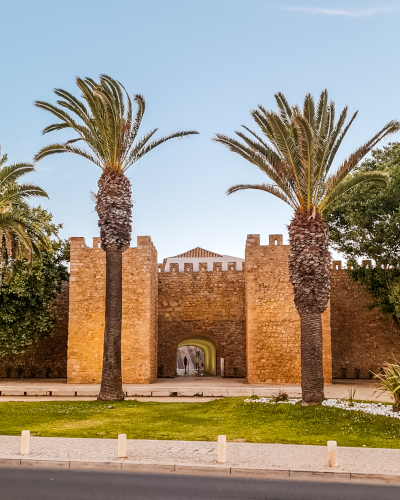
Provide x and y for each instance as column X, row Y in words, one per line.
column 281, row 396
column 389, row 378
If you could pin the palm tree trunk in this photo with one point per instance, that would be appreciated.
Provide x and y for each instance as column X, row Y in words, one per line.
column 312, row 375
column 114, row 208
column 111, row 379
column 309, row 270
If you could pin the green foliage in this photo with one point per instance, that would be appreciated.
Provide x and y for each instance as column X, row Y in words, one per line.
column 252, row 422
column 389, row 379
column 25, row 300
column 297, row 150
column 365, row 223
column 394, row 297
column 12, row 192
column 381, row 285
column 21, row 233
column 105, row 122
column 280, row 396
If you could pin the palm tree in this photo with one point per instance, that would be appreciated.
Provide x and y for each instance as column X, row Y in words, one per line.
column 21, row 233
column 107, row 126
column 296, row 151
column 12, row 192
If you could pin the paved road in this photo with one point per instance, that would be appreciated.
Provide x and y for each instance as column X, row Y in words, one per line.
column 45, row 484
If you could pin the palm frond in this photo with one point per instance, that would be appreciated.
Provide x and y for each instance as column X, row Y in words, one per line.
column 336, row 189
column 280, row 177
column 354, row 159
column 66, row 148
column 11, row 173
column 309, row 110
column 104, row 121
column 296, row 150
column 321, row 110
column 146, row 149
column 268, row 188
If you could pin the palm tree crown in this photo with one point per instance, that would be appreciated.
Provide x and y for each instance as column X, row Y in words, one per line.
column 108, row 126
column 22, row 234
column 298, row 150
column 13, row 193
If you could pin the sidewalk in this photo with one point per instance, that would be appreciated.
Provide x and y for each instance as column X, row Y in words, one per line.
column 198, row 457
column 184, row 387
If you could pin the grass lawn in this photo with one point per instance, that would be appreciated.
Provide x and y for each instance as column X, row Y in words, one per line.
column 256, row 423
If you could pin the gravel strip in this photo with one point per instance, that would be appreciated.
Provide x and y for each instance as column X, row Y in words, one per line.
column 385, row 410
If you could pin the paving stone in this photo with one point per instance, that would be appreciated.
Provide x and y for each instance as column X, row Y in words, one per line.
column 209, row 470
column 95, row 465
column 365, row 464
column 259, row 472
column 380, row 478
column 47, row 464
column 318, row 475
column 10, row 462
column 158, row 468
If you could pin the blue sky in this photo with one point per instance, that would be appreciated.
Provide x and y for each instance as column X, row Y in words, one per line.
column 200, row 65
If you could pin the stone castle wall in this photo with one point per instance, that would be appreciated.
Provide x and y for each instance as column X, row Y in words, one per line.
column 46, row 358
column 362, row 339
column 239, row 311
column 272, row 321
column 87, row 309
column 206, row 304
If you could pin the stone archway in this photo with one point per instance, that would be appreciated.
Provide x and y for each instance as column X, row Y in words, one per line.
column 209, row 349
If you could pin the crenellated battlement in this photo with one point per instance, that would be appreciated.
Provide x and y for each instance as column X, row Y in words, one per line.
column 337, row 265
column 199, row 260
column 274, row 240
column 190, row 267
column 216, row 263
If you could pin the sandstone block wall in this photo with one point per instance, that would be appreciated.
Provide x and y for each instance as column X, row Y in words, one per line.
column 87, row 310
column 362, row 339
column 46, row 358
column 212, row 304
column 272, row 321
column 207, row 304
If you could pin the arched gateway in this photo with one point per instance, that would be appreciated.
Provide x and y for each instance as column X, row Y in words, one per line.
column 201, row 303
column 210, row 352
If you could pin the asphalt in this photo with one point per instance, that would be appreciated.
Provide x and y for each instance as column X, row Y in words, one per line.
column 34, row 484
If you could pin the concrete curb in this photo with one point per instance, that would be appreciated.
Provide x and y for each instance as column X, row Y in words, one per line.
column 138, row 392
column 204, row 470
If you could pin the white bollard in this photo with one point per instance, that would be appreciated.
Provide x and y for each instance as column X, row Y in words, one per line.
column 222, row 367
column 332, row 454
column 25, row 435
column 221, row 449
column 121, row 445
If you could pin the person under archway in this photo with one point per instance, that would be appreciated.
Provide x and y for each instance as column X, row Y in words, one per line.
column 197, row 362
column 185, row 363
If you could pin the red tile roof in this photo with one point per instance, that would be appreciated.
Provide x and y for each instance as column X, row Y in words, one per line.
column 197, row 252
